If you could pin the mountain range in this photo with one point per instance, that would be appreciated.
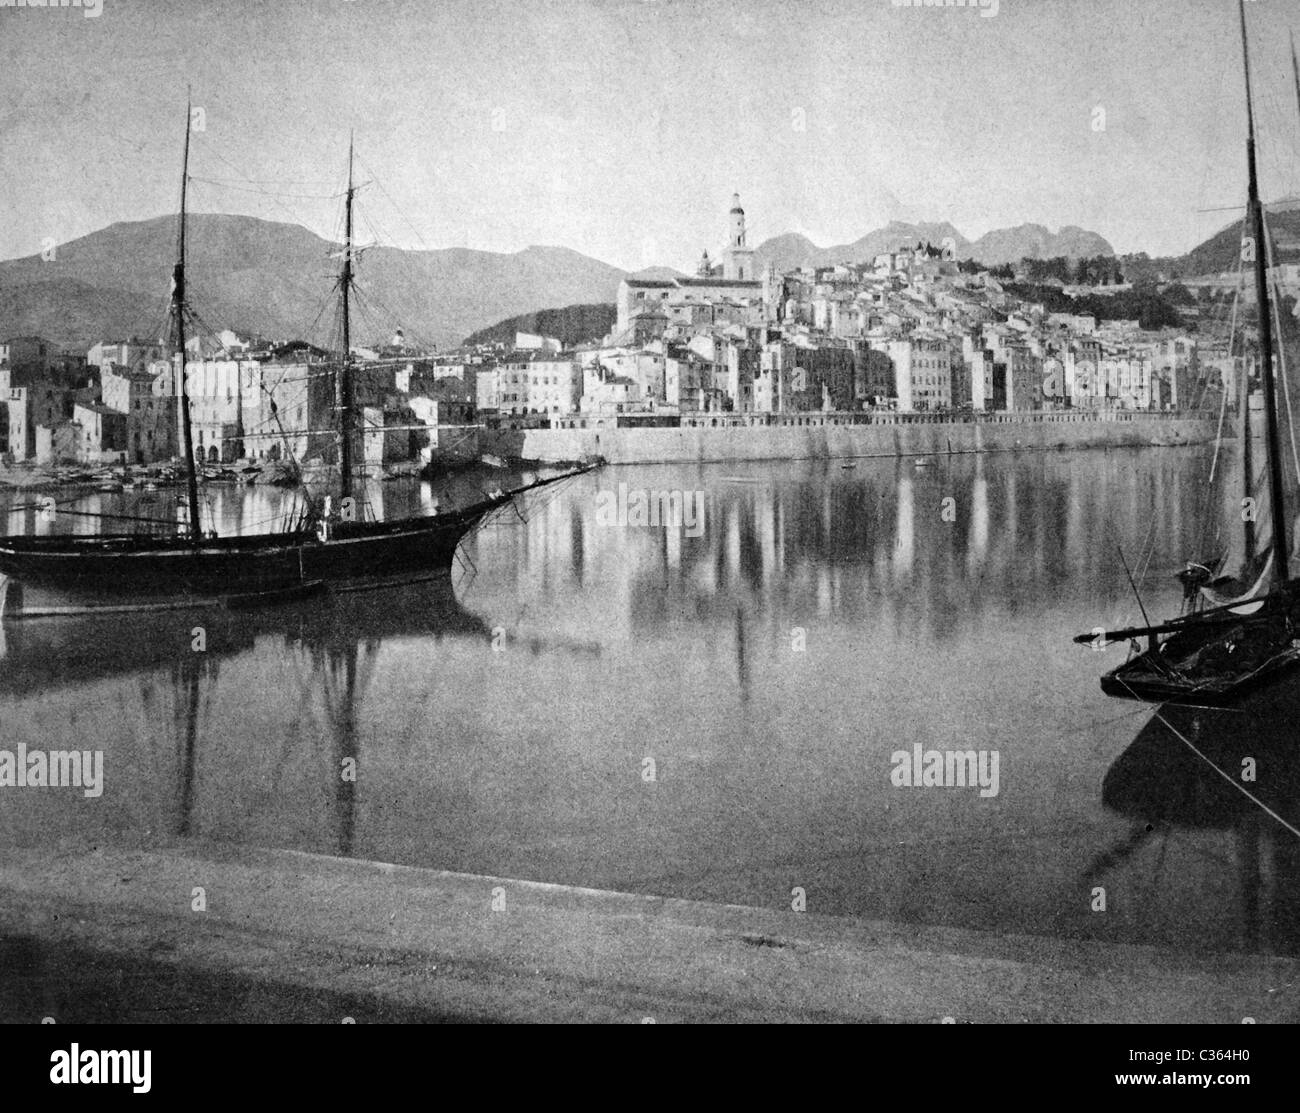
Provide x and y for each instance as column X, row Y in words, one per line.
column 276, row 280
column 1003, row 245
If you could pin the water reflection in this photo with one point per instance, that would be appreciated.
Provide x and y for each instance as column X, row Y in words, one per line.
column 1182, row 782
column 174, row 662
column 822, row 620
column 939, row 542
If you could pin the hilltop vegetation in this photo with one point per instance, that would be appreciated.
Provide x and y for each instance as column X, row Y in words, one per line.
column 1143, row 304
column 572, row 325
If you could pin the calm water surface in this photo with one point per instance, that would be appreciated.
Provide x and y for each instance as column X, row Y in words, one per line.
column 764, row 671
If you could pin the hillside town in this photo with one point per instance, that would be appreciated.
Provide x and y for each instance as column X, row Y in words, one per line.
column 915, row 331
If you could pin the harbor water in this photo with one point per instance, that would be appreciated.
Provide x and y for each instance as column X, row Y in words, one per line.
column 735, row 698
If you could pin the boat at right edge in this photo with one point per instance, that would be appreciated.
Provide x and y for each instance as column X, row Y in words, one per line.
column 1241, row 622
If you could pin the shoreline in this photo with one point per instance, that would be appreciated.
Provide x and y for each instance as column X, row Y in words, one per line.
column 839, row 437
column 304, row 936
column 812, row 437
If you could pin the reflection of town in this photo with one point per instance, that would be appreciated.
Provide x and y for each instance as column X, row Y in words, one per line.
column 857, row 545
column 1188, row 818
column 232, row 510
column 248, row 741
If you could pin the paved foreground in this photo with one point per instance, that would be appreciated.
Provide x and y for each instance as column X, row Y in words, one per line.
column 104, row 935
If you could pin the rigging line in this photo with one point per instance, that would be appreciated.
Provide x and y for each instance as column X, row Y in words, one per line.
column 380, row 236
column 1231, row 780
column 101, row 514
column 297, row 218
column 1281, row 347
column 379, row 182
column 1149, row 547
column 322, row 182
column 1210, row 524
column 420, row 339
column 1232, row 333
column 1132, row 584
column 264, row 193
column 160, row 314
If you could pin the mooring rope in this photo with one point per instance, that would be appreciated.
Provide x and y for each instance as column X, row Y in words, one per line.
column 1239, row 787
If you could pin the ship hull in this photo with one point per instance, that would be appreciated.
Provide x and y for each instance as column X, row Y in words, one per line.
column 72, row 575
column 1214, row 664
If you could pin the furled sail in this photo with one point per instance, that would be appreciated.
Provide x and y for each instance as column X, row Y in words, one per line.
column 1247, row 568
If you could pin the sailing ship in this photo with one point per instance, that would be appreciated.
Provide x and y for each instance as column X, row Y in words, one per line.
column 1241, row 622
column 332, row 548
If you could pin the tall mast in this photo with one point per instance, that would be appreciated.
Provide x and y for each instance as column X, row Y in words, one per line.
column 1295, row 70
column 1256, row 213
column 343, row 400
column 1247, row 463
column 178, row 323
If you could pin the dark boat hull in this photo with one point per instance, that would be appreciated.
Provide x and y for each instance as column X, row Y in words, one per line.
column 71, row 575
column 1214, row 664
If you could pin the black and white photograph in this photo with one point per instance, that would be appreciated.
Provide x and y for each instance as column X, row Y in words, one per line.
column 650, row 512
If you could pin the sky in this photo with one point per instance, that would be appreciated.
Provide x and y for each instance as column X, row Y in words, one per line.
column 621, row 128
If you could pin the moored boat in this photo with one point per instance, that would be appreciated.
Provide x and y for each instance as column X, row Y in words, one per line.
column 1241, row 624
column 331, row 546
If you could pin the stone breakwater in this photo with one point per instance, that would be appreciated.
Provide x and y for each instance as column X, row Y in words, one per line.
column 825, row 436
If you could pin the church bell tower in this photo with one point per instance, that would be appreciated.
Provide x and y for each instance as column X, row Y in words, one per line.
column 738, row 259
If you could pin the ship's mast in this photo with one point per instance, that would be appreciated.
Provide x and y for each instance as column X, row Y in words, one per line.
column 343, row 394
column 1247, row 463
column 178, row 323
column 1256, row 216
column 1295, row 70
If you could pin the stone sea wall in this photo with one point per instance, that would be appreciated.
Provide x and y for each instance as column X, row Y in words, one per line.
column 826, row 437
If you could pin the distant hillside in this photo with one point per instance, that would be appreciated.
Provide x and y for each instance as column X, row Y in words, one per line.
column 657, row 272
column 1003, row 245
column 791, row 251
column 275, row 279
column 572, row 325
column 1033, row 241
column 1222, row 251
column 70, row 312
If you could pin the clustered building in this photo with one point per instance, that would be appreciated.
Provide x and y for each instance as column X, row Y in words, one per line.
column 249, row 400
column 911, row 332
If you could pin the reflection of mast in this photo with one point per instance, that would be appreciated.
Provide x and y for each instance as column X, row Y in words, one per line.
column 190, row 710
column 1248, row 836
column 577, row 547
column 345, row 675
column 978, row 553
column 905, row 537
column 742, row 666
column 1164, row 786
column 343, row 718
column 187, row 678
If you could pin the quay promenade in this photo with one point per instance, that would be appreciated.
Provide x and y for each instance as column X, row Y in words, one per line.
column 718, row 438
column 283, row 935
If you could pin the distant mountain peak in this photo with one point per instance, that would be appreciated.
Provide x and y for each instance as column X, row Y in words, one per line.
column 1003, row 245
